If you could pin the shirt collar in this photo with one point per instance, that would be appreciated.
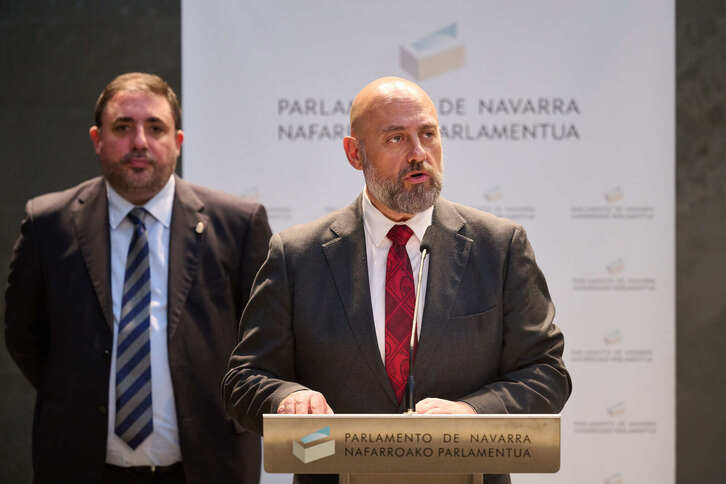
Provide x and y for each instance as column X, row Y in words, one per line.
column 377, row 225
column 160, row 206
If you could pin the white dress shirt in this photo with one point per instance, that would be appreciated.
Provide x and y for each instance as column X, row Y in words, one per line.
column 162, row 446
column 376, row 227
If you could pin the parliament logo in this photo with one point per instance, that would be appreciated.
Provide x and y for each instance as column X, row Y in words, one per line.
column 493, row 194
column 614, row 479
column 314, row 446
column 434, row 54
column 617, row 410
column 613, row 337
column 614, row 195
column 616, row 267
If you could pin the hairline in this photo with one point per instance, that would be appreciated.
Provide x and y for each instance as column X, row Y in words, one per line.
column 138, row 82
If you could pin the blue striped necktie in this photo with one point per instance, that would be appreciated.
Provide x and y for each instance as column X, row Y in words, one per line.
column 134, row 421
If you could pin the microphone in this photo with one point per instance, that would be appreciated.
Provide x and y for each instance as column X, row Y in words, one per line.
column 425, row 249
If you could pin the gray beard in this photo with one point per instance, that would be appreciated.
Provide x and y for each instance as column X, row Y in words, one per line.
column 394, row 195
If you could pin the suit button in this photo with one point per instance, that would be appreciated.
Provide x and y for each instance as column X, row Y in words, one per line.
column 107, row 354
column 102, row 409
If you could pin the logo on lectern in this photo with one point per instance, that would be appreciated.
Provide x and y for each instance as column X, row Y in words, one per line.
column 313, row 446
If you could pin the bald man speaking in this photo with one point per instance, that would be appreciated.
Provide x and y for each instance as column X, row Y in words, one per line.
column 327, row 325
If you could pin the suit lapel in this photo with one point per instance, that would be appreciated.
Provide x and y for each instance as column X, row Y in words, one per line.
column 446, row 268
column 346, row 256
column 90, row 219
column 184, row 248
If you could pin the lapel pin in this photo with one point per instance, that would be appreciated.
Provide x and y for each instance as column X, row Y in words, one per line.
column 199, row 228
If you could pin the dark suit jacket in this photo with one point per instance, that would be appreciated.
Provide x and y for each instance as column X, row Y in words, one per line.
column 59, row 327
column 487, row 335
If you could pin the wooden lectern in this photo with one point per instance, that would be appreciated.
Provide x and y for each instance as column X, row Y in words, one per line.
column 402, row 449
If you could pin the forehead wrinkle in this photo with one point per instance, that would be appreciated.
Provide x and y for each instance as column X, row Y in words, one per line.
column 399, row 127
column 387, row 129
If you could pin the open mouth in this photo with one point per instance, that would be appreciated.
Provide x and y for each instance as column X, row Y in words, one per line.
column 417, row 177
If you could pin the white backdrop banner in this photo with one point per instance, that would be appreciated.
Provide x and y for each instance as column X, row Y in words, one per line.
column 556, row 114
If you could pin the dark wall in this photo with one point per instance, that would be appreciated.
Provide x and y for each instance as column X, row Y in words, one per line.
column 55, row 57
column 700, row 240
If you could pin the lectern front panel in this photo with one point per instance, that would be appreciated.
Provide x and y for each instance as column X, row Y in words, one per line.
column 335, row 444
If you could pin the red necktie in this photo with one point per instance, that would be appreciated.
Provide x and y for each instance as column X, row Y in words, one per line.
column 400, row 299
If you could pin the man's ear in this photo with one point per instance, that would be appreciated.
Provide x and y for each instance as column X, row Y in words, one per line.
column 95, row 133
column 179, row 138
column 353, row 152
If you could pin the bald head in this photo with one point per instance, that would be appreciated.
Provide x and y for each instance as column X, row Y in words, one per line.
column 383, row 91
column 395, row 141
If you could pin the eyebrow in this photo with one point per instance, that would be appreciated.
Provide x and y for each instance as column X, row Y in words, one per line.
column 129, row 119
column 388, row 129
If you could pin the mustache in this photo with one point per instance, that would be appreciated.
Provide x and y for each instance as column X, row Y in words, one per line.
column 137, row 154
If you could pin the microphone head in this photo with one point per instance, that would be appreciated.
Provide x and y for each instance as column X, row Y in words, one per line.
column 427, row 239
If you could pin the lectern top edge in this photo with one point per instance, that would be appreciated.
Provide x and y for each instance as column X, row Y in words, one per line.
column 553, row 416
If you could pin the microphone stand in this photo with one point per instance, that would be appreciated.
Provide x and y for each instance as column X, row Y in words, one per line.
column 409, row 385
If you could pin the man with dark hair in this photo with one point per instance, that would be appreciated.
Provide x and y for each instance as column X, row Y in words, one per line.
column 328, row 322
column 124, row 299
column 138, row 81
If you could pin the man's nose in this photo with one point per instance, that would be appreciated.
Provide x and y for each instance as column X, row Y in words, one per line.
column 417, row 153
column 140, row 138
